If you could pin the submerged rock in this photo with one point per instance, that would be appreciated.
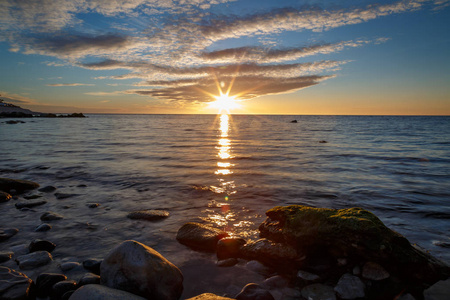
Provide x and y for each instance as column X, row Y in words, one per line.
column 29, row 204
column 20, row 186
column 229, row 247
column 101, row 292
column 199, row 236
column 43, row 227
column 149, row 215
column 47, row 189
column 4, row 197
column 45, row 282
column 138, row 269
column 41, row 245
column 271, row 253
column 253, row 291
column 14, row 285
column 6, row 233
column 354, row 233
column 51, row 216
column 34, row 260
column 5, row 256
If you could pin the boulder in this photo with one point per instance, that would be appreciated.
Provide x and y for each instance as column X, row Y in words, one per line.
column 45, row 282
column 209, row 296
column 6, row 233
column 4, row 197
column 318, row 291
column 253, row 291
column 438, row 291
column 149, row 215
column 20, row 186
column 41, row 245
column 29, row 204
column 350, row 287
column 34, row 260
column 351, row 233
column 51, row 216
column 101, row 292
column 199, row 236
column 271, row 253
column 14, row 285
column 229, row 247
column 139, row 269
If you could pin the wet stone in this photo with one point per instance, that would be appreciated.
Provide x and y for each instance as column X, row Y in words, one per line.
column 43, row 227
column 47, row 189
column 6, row 233
column 92, row 265
column 32, row 197
column 258, row 267
column 229, row 262
column 41, row 245
column 5, row 256
column 89, row 278
column 253, row 291
column 61, row 196
column 101, row 292
column 148, row 215
column 438, row 291
column 45, row 282
column 29, row 204
column 374, row 271
column 34, row 260
column 350, row 287
column 199, row 236
column 51, row 216
column 307, row 276
column 62, row 287
column 275, row 282
column 14, row 285
column 69, row 266
column 229, row 247
column 4, row 197
column 92, row 205
column 19, row 186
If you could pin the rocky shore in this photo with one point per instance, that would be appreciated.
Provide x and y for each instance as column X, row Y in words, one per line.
column 304, row 253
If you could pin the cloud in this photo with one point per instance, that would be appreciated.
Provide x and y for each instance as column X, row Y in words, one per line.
column 16, row 98
column 117, row 93
column 70, row 84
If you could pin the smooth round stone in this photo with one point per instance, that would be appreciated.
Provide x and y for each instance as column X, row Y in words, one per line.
column 227, row 262
column 51, row 216
column 149, row 215
column 41, row 245
column 29, row 204
column 101, row 292
column 89, row 278
column 5, row 256
column 43, row 227
column 34, row 260
column 6, row 233
column 16, row 185
column 438, row 291
column 14, row 285
column 47, row 189
column 275, row 282
column 350, row 287
column 62, row 287
column 199, row 236
column 209, row 296
column 92, row 205
column 92, row 265
column 254, row 291
column 45, row 282
column 69, row 266
column 374, row 271
column 229, row 247
column 307, row 276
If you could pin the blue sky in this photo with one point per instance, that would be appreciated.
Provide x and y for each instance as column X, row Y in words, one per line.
column 286, row 57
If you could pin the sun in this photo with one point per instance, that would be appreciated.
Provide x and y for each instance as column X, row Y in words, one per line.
column 224, row 103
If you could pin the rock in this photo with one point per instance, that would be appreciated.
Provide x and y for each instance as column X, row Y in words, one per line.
column 323, row 142
column 355, row 233
column 51, row 216
column 92, row 265
column 89, row 278
column 438, row 291
column 5, row 256
column 374, row 271
column 294, row 121
column 61, row 196
column 62, row 287
column 6, row 233
column 20, row 250
column 148, row 215
column 92, row 205
column 271, row 253
column 306, row 276
column 69, row 266
column 45, row 282
column 406, row 297
column 41, row 245
column 100, row 292
column 4, row 197
column 14, row 285
column 209, row 296
column 29, row 204
column 34, row 260
column 20, row 186
column 47, row 189
column 43, row 227
column 350, row 287
column 229, row 247
column 253, row 291
column 318, row 291
column 275, row 282
column 199, row 236
column 258, row 267
column 139, row 269
column 32, row 197
column 229, row 262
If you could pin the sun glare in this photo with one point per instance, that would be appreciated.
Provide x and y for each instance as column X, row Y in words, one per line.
column 224, row 103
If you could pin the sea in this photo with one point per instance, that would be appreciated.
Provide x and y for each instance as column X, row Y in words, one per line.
column 225, row 171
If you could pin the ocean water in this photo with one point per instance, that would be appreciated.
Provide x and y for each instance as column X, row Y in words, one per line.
column 225, row 171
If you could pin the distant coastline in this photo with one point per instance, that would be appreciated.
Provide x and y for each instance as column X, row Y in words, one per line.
column 8, row 110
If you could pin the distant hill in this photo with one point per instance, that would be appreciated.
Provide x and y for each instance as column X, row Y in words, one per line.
column 11, row 108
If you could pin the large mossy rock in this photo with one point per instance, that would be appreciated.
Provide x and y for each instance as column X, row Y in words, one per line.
column 354, row 233
column 138, row 269
column 20, row 186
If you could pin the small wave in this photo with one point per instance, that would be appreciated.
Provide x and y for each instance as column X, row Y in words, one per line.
column 437, row 215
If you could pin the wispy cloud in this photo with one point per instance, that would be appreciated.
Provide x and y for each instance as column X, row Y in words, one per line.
column 70, row 84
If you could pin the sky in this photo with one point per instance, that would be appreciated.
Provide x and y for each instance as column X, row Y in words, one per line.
column 342, row 57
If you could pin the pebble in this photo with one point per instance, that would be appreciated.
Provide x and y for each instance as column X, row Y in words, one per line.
column 29, row 204
column 47, row 189
column 43, row 227
column 92, row 265
column 318, row 291
column 89, row 278
column 51, row 216
column 41, row 245
column 61, row 196
column 92, row 205
column 307, row 276
column 6, row 233
column 275, row 282
column 374, row 271
column 5, row 256
column 62, row 287
column 34, row 260
column 67, row 266
column 45, row 282
column 20, row 250
column 253, row 291
column 350, row 287
column 229, row 262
